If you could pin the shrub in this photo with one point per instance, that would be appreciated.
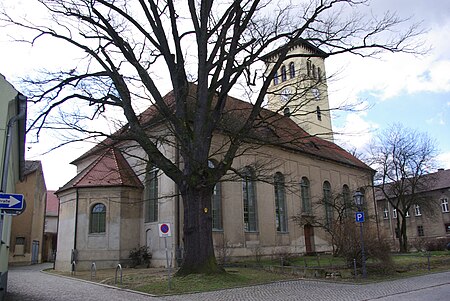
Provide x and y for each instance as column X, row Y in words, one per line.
column 437, row 244
column 141, row 255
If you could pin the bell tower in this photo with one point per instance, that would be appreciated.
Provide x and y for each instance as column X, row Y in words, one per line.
column 299, row 89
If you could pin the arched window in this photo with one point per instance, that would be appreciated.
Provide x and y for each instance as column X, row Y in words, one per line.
column 291, row 70
column 275, row 79
column 280, row 203
column 319, row 113
column 327, row 203
column 216, row 204
column 306, row 195
column 151, row 195
column 283, row 74
column 347, row 201
column 249, row 200
column 97, row 221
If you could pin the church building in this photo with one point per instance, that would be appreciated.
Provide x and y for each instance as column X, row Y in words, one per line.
column 118, row 202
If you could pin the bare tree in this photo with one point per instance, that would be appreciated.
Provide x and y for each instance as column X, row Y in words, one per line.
column 403, row 158
column 131, row 46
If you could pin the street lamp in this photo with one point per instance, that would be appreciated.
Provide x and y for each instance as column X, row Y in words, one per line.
column 358, row 197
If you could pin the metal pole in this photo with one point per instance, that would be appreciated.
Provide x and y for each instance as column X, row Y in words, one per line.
column 363, row 255
column 168, row 265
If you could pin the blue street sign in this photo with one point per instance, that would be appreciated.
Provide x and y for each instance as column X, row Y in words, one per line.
column 11, row 201
column 359, row 217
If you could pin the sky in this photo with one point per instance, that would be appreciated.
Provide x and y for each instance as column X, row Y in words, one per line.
column 396, row 88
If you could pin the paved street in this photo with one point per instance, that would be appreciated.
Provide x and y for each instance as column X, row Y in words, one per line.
column 28, row 283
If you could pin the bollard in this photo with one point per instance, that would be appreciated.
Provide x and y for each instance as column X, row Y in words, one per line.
column 119, row 267
column 93, row 270
column 74, row 266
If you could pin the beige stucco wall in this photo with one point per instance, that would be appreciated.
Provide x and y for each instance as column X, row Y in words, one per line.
column 30, row 224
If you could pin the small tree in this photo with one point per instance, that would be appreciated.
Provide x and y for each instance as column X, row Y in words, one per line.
column 402, row 158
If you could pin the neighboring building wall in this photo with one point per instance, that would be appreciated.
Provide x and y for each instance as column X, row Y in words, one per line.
column 27, row 233
column 50, row 227
column 423, row 227
column 8, row 109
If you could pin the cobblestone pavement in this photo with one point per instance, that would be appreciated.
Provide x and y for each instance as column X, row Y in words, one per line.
column 28, row 283
column 317, row 290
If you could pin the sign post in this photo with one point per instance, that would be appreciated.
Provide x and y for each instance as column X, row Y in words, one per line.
column 165, row 231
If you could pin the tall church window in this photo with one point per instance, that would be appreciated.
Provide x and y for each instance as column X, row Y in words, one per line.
column 319, row 113
column 216, row 204
column 151, row 195
column 327, row 201
column 97, row 220
column 347, row 200
column 249, row 200
column 280, row 203
column 283, row 74
column 275, row 79
column 291, row 70
column 306, row 195
column 319, row 74
column 314, row 75
column 308, row 68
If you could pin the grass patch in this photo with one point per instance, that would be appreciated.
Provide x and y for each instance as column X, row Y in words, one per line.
column 155, row 281
column 235, row 277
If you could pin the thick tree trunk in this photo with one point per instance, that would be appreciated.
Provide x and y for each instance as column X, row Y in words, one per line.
column 402, row 237
column 198, row 243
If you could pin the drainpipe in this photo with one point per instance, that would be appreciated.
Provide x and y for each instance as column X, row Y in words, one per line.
column 22, row 102
column 74, row 251
column 22, row 113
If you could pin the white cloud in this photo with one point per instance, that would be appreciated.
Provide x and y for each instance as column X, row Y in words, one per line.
column 356, row 131
column 444, row 160
column 394, row 73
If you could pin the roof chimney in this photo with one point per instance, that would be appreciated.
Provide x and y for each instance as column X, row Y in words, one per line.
column 440, row 169
column 287, row 112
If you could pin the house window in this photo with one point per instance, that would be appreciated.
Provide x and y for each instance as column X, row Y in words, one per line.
column 280, row 203
column 216, row 208
column 216, row 204
column 420, row 231
column 249, row 199
column 447, row 228
column 417, row 210
column 98, row 219
column 151, row 195
column 19, row 247
column 394, row 213
column 385, row 213
column 407, row 214
column 444, row 205
column 291, row 70
column 347, row 200
column 275, row 79
column 319, row 113
column 327, row 203
column 283, row 74
column 305, row 192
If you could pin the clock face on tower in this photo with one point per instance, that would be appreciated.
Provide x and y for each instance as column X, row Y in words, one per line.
column 315, row 92
column 285, row 95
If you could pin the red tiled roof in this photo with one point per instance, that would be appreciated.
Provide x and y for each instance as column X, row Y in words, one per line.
column 52, row 203
column 270, row 129
column 110, row 169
